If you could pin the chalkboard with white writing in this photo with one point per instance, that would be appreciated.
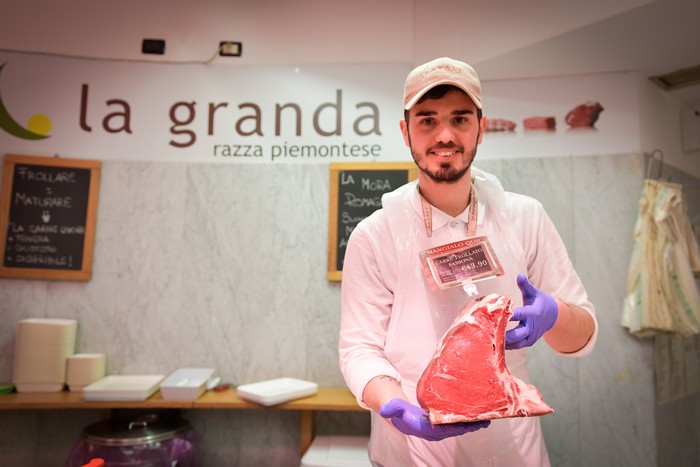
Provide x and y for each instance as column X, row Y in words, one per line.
column 48, row 214
column 356, row 191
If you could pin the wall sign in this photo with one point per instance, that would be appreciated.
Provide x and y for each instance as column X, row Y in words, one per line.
column 47, row 216
column 356, row 191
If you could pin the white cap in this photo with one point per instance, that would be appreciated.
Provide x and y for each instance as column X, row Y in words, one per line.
column 441, row 71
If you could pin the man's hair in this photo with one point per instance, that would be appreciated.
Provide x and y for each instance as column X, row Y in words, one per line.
column 438, row 92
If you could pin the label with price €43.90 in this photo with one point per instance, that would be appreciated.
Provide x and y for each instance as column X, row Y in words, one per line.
column 460, row 263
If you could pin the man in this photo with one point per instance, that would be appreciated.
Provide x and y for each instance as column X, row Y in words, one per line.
column 395, row 311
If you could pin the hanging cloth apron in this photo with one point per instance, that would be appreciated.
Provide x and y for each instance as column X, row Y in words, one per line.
column 661, row 293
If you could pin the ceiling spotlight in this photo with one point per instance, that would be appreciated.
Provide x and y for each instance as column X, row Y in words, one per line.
column 230, row 48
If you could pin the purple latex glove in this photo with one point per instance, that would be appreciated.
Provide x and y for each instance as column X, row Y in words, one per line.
column 537, row 316
column 411, row 420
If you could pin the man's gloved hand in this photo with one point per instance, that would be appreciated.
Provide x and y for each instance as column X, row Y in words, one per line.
column 537, row 315
column 411, row 420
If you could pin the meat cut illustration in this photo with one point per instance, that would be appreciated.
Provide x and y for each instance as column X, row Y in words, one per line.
column 467, row 379
column 584, row 115
column 540, row 123
column 500, row 124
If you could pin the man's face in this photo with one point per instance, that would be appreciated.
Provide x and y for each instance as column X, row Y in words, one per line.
column 443, row 135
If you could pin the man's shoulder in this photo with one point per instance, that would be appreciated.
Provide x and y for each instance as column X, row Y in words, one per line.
column 373, row 225
column 523, row 211
column 393, row 213
column 519, row 202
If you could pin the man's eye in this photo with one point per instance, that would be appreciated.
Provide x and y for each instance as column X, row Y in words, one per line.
column 427, row 121
column 460, row 119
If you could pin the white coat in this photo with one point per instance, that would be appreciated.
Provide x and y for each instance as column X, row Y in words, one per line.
column 391, row 321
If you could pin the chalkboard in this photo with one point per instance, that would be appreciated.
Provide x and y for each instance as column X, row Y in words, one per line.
column 356, row 191
column 47, row 217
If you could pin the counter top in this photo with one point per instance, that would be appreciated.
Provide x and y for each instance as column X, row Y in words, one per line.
column 327, row 398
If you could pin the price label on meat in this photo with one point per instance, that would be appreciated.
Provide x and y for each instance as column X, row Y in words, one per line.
column 46, row 225
column 460, row 263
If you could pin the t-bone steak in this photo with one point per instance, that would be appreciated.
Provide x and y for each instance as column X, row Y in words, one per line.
column 467, row 379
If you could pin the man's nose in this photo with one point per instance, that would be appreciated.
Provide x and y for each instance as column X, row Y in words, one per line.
column 445, row 134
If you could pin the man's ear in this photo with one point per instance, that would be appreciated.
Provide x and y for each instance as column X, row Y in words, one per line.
column 483, row 124
column 404, row 131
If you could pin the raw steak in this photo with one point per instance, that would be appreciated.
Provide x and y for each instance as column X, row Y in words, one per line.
column 584, row 115
column 467, row 378
column 500, row 124
column 540, row 123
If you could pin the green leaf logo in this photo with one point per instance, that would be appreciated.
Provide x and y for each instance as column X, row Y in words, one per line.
column 38, row 126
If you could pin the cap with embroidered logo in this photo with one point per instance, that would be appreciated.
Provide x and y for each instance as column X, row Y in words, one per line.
column 442, row 70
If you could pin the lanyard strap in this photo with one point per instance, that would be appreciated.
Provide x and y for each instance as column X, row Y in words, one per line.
column 470, row 229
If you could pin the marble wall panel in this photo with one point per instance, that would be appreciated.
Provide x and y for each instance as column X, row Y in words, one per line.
column 246, row 437
column 550, row 181
column 678, row 422
column 256, row 240
column 616, row 385
column 225, row 265
column 41, row 437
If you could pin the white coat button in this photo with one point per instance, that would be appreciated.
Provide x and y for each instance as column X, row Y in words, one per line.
column 454, row 224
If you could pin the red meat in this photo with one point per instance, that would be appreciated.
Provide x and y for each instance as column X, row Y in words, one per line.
column 467, row 378
column 500, row 124
column 540, row 123
column 584, row 115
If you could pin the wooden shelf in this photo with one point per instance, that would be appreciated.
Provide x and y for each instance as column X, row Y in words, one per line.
column 74, row 400
column 330, row 399
column 333, row 399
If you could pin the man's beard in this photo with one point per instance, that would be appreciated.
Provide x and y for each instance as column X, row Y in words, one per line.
column 446, row 173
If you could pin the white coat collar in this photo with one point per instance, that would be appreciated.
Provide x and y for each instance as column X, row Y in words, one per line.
column 441, row 219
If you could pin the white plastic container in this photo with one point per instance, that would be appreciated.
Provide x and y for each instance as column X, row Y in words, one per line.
column 83, row 369
column 42, row 347
column 187, row 383
column 122, row 388
column 337, row 451
column 277, row 391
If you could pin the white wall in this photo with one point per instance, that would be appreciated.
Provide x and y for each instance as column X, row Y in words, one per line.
column 660, row 123
column 272, row 31
column 321, row 31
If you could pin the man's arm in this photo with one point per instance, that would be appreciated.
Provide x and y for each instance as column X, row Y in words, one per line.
column 572, row 330
column 380, row 390
column 566, row 328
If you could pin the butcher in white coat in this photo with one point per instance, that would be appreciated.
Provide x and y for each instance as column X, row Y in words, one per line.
column 395, row 311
